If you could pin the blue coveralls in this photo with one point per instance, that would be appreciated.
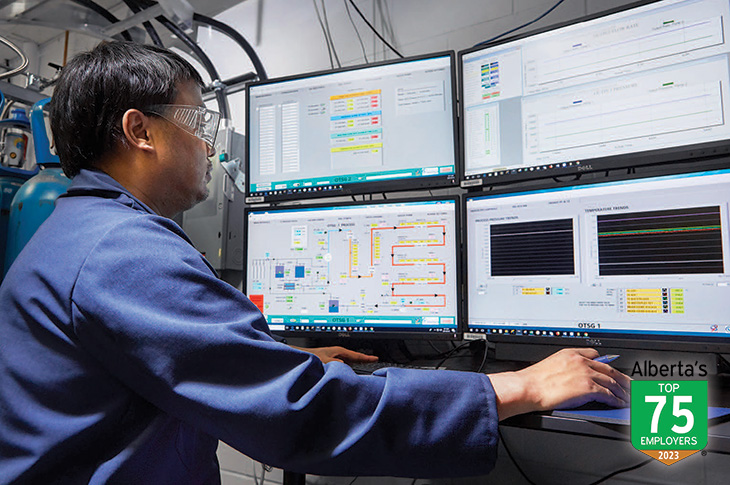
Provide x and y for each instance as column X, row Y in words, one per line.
column 124, row 359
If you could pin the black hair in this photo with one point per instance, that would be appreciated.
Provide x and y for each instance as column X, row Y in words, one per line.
column 96, row 88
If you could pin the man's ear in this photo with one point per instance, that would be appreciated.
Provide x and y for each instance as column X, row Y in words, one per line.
column 136, row 127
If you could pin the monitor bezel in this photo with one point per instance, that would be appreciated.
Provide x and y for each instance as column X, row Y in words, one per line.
column 359, row 188
column 613, row 340
column 456, row 335
column 709, row 150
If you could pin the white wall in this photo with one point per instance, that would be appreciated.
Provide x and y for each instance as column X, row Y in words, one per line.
column 292, row 42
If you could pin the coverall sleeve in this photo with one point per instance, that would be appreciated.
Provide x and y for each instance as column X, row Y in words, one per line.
column 150, row 310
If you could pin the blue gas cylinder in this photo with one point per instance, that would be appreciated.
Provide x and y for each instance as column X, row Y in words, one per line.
column 14, row 132
column 35, row 200
column 9, row 185
column 32, row 205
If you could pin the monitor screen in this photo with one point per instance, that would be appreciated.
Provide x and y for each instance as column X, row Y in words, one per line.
column 376, row 269
column 374, row 128
column 641, row 86
column 640, row 262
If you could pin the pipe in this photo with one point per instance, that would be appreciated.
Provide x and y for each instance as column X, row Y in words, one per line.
column 240, row 40
column 207, row 64
column 23, row 59
column 104, row 13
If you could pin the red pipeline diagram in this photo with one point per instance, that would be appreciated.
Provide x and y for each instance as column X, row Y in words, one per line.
column 405, row 262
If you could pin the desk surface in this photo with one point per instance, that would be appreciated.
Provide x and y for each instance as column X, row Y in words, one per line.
column 556, row 421
column 718, row 439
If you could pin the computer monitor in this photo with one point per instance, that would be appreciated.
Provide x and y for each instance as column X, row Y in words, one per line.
column 644, row 85
column 364, row 270
column 374, row 128
column 641, row 263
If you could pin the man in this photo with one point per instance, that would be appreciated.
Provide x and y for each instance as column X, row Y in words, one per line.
column 125, row 359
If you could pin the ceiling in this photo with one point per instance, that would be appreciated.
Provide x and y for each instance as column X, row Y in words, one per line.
column 39, row 21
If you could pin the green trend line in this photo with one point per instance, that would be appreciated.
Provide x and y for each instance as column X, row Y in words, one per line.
column 654, row 231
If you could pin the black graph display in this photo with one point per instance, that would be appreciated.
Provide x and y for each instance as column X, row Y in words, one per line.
column 539, row 248
column 677, row 241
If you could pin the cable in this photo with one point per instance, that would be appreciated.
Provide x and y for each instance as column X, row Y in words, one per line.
column 600, row 480
column 324, row 32
column 23, row 60
column 623, row 470
column 353, row 481
column 385, row 19
column 509, row 453
column 352, row 21
column 433, row 346
column 329, row 34
column 238, row 38
column 484, row 358
column 104, row 13
column 521, row 26
column 451, row 352
column 352, row 2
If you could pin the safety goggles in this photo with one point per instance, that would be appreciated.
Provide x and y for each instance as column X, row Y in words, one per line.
column 196, row 120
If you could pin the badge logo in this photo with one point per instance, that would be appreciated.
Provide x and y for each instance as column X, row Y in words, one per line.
column 669, row 418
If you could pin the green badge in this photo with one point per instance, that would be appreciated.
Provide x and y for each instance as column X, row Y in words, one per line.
column 669, row 418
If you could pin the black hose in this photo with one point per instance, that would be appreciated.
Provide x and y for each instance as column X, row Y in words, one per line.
column 91, row 5
column 240, row 40
column 153, row 34
column 135, row 8
column 220, row 95
column 219, row 89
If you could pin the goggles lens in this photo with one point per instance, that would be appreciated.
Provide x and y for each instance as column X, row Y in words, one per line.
column 196, row 120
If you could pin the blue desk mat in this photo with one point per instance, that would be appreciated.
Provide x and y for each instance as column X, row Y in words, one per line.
column 623, row 415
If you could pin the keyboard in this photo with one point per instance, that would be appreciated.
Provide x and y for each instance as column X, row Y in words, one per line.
column 370, row 367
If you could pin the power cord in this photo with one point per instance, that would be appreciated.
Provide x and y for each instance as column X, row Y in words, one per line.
column 623, row 470
column 521, row 26
column 451, row 353
column 362, row 45
column 597, row 482
column 381, row 7
column 327, row 39
column 352, row 2
column 484, row 358
column 509, row 453
column 329, row 34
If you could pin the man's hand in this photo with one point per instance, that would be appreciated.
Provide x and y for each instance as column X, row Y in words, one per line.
column 568, row 378
column 338, row 354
